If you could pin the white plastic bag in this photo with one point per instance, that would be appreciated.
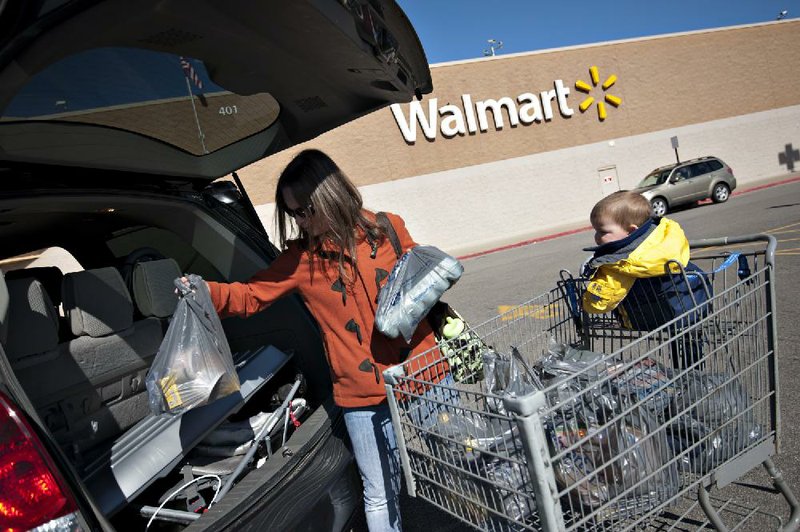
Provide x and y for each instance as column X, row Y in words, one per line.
column 193, row 366
column 418, row 280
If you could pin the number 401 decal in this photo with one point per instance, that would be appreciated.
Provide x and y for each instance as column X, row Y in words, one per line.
column 228, row 110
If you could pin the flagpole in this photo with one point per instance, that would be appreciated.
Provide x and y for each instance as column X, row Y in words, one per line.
column 196, row 119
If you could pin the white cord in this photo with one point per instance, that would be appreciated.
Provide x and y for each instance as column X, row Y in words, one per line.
column 286, row 422
column 171, row 495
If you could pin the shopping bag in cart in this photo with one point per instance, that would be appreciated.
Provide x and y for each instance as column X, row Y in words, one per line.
column 507, row 374
column 718, row 422
column 606, row 461
column 617, row 469
column 492, row 451
column 193, row 366
column 648, row 383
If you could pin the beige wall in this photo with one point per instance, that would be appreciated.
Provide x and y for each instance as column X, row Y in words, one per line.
column 664, row 82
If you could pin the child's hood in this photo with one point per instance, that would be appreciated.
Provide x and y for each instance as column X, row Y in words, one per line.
column 645, row 251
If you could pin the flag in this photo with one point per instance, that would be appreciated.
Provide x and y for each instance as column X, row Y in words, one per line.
column 190, row 73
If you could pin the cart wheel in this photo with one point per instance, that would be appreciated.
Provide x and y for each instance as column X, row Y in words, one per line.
column 659, row 206
column 721, row 193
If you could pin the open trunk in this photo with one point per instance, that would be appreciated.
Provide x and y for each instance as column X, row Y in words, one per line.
column 83, row 365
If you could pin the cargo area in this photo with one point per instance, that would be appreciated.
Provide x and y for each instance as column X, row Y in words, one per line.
column 91, row 293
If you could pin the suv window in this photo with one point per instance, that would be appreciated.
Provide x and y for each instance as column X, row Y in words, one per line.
column 42, row 258
column 698, row 169
column 161, row 242
column 715, row 165
column 656, row 177
column 682, row 173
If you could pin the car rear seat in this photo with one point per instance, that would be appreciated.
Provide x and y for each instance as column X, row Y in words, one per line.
column 91, row 388
column 50, row 277
column 32, row 324
column 153, row 287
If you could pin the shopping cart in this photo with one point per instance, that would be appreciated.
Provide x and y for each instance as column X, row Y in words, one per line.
column 585, row 422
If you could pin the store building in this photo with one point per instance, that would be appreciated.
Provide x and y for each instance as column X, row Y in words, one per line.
column 510, row 147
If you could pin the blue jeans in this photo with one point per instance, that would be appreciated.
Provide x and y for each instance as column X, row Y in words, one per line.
column 375, row 449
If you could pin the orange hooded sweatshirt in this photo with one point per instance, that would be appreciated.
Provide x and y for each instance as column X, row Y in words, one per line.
column 357, row 352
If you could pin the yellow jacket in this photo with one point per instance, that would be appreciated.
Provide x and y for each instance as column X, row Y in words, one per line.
column 644, row 253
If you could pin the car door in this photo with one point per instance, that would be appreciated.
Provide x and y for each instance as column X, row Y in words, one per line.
column 680, row 189
column 700, row 175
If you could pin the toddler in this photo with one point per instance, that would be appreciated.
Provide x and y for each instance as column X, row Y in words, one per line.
column 636, row 272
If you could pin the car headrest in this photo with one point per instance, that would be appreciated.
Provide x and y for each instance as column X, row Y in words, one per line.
column 3, row 309
column 50, row 277
column 154, row 288
column 32, row 319
column 97, row 302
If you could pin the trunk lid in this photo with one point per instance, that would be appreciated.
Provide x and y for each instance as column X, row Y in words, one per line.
column 194, row 88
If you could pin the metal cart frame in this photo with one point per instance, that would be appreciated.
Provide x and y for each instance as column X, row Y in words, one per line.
column 619, row 437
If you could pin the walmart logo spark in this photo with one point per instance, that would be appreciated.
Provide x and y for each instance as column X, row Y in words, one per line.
column 589, row 100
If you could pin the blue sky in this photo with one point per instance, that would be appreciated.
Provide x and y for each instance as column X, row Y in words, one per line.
column 452, row 30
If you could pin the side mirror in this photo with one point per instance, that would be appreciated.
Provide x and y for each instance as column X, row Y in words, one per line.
column 674, row 179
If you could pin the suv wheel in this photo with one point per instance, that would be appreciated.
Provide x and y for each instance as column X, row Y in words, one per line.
column 721, row 193
column 660, row 206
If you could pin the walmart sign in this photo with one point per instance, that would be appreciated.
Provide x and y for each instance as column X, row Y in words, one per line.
column 471, row 117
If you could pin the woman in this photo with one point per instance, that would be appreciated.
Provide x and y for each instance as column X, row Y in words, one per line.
column 337, row 264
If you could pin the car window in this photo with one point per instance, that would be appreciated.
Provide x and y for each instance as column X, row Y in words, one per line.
column 699, row 169
column 682, row 173
column 47, row 257
column 163, row 242
column 159, row 95
column 715, row 165
column 654, row 178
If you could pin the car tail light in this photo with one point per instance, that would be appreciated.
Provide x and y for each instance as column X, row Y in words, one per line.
column 730, row 170
column 32, row 492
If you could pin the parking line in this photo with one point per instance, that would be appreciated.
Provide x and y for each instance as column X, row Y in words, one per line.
column 783, row 227
column 513, row 312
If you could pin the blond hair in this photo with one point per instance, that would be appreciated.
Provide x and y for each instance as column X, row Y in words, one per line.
column 625, row 208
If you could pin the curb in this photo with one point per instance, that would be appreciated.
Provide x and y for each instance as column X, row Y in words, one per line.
column 588, row 227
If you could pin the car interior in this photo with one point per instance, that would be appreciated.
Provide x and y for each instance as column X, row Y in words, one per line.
column 81, row 342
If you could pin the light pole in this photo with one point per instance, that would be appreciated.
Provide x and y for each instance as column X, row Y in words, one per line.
column 494, row 44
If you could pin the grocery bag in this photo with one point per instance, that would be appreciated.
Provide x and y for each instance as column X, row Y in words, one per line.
column 193, row 366
column 419, row 278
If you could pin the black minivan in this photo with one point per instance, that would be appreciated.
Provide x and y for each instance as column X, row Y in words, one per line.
column 121, row 128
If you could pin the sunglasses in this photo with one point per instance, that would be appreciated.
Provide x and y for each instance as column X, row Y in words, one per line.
column 301, row 212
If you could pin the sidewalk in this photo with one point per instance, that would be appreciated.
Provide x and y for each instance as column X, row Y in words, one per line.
column 559, row 231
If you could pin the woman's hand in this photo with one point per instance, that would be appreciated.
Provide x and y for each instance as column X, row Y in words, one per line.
column 185, row 282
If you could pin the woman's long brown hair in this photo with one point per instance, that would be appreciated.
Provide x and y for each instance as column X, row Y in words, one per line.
column 316, row 180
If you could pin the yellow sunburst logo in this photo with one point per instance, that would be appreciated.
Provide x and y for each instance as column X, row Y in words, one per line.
column 589, row 100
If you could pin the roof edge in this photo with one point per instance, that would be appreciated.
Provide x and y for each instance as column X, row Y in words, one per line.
column 618, row 41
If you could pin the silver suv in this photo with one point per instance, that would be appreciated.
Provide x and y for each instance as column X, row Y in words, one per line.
column 678, row 184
